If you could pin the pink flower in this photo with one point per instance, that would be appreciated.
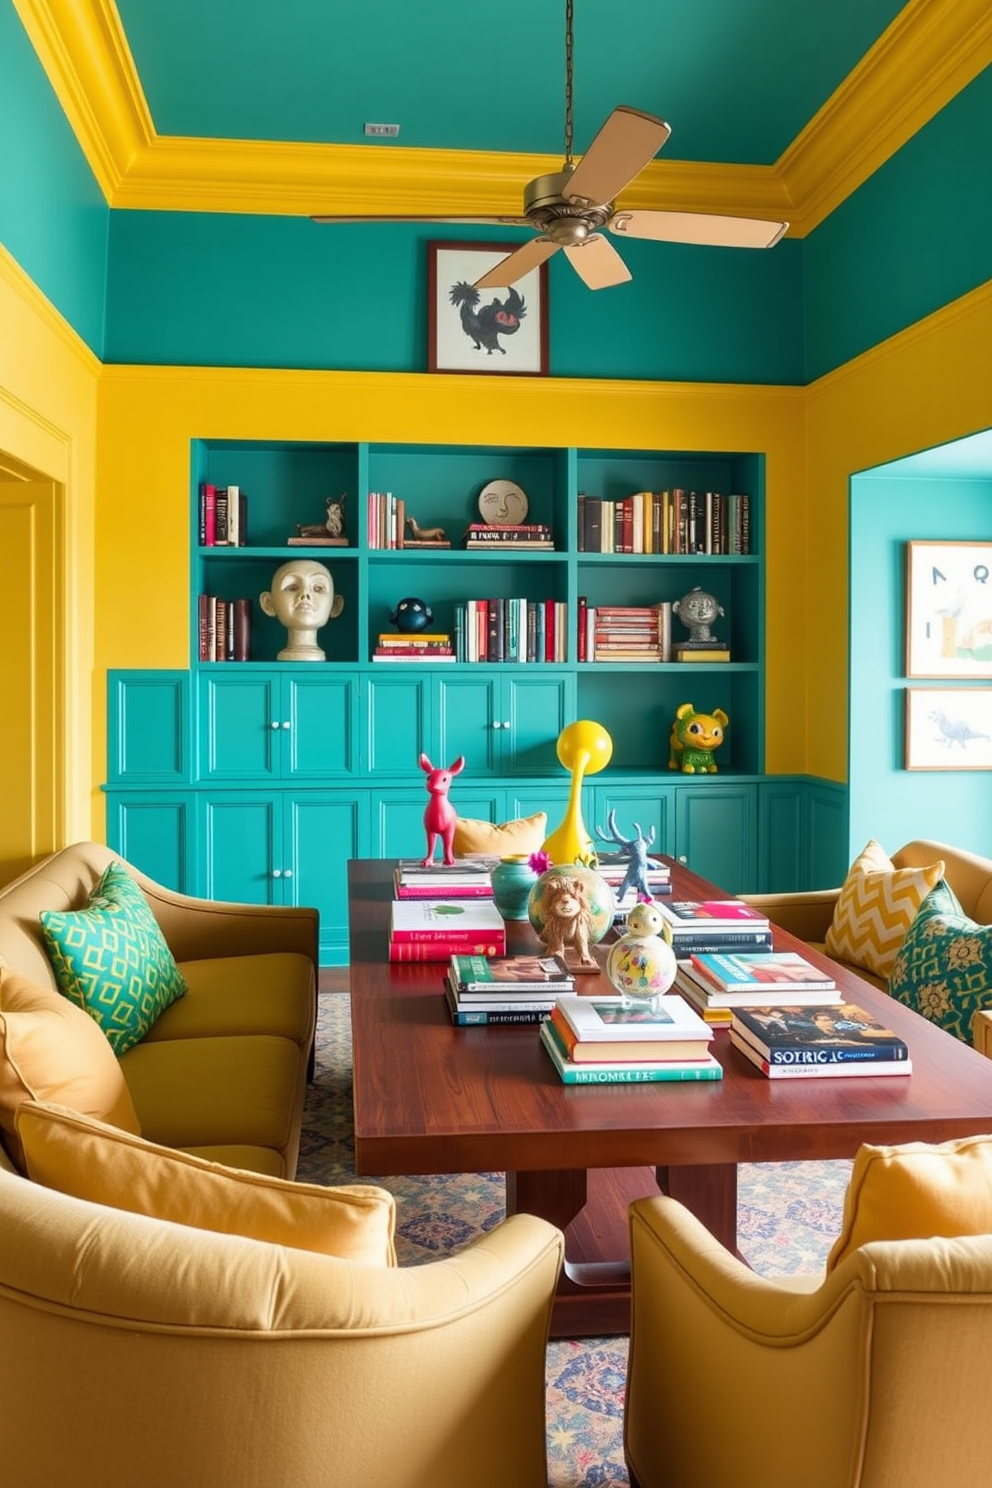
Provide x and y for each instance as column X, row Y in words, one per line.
column 539, row 861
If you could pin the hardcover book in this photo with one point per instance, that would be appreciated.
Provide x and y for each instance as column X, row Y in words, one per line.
column 819, row 1071
column 453, row 920
column 734, row 913
column 815, row 1034
column 643, row 1073
column 510, row 975
column 709, row 999
column 747, row 973
column 608, row 1021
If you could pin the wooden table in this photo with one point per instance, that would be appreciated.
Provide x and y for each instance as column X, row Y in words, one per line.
column 432, row 1098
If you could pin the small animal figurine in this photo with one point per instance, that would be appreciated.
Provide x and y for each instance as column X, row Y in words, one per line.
column 693, row 739
column 635, row 850
column 333, row 524
column 439, row 815
column 566, row 912
column 425, row 534
column 411, row 615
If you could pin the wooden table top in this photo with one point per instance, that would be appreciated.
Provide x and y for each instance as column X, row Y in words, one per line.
column 433, row 1098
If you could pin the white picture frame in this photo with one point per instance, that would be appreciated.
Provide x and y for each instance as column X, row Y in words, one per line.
column 949, row 609
column 948, row 728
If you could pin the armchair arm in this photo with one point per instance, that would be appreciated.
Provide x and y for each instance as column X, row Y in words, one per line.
column 198, row 929
column 806, row 915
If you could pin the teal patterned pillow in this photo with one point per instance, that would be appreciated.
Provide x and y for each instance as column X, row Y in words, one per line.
column 944, row 966
column 110, row 958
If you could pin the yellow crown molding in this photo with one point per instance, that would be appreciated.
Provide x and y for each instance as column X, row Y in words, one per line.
column 28, row 292
column 930, row 51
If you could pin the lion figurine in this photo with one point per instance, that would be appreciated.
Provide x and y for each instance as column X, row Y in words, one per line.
column 693, row 739
column 566, row 914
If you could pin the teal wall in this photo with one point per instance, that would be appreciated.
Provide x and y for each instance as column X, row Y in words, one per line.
column 917, row 235
column 888, row 802
column 53, row 218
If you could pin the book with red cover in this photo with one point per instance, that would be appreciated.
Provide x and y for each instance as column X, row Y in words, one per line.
column 443, row 950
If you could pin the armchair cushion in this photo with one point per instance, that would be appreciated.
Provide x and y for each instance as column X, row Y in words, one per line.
column 522, row 835
column 916, row 1191
column 878, row 902
column 944, row 967
column 90, row 1160
column 110, row 958
column 51, row 1050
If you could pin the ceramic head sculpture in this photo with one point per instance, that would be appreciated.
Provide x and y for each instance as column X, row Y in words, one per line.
column 302, row 597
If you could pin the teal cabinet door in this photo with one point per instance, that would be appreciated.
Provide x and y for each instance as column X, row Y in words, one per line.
column 651, row 810
column 241, row 855
column 781, row 836
column 397, row 711
column 536, row 706
column 148, row 728
column 241, row 724
column 321, row 831
column 322, row 740
column 155, row 833
column 715, row 833
column 468, row 721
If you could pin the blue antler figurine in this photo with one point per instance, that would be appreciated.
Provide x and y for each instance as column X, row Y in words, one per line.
column 635, row 850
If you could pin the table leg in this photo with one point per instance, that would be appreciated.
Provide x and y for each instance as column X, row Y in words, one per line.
column 710, row 1192
column 557, row 1196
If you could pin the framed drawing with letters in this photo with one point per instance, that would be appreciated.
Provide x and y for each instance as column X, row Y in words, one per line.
column 949, row 609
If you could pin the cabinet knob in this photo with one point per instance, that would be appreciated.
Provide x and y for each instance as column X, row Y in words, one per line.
column 496, row 723
column 274, row 724
column 506, row 723
column 288, row 873
column 287, row 724
column 683, row 858
column 277, row 873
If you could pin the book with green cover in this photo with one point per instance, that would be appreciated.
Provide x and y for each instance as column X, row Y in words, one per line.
column 624, row 1074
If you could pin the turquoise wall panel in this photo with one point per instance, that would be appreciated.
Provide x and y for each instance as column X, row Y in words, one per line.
column 203, row 289
column 888, row 802
column 53, row 217
column 917, row 235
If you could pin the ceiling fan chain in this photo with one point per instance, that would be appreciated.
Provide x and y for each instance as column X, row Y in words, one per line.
column 569, row 48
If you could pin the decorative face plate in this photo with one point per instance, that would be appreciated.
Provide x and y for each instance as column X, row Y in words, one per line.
column 503, row 501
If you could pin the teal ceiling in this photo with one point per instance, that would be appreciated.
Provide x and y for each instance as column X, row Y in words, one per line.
column 736, row 79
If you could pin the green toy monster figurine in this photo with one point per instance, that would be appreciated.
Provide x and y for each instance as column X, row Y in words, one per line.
column 693, row 739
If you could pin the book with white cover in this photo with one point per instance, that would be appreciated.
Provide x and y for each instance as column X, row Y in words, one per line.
column 606, row 1020
column 446, row 919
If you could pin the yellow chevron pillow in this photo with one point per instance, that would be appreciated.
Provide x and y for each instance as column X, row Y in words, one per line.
column 876, row 907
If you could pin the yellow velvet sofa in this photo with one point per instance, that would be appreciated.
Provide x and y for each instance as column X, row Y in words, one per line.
column 223, row 1071
column 808, row 915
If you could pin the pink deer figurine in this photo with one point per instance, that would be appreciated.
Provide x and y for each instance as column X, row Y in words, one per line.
column 439, row 815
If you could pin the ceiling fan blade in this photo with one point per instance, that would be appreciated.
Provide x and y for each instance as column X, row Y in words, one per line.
column 597, row 262
column 705, row 228
column 418, row 217
column 620, row 151
column 528, row 256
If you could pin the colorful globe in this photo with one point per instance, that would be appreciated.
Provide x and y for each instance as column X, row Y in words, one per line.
column 601, row 901
column 641, row 965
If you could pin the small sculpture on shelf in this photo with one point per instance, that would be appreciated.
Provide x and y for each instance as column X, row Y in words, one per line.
column 440, row 817
column 411, row 615
column 425, row 537
column 693, row 739
column 302, row 597
column 697, row 610
column 326, row 534
column 635, row 851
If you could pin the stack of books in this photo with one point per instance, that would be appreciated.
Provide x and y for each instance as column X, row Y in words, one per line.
column 712, row 650
column 628, row 632
column 598, row 1041
column 819, row 1039
column 693, row 925
column 523, row 535
column 716, row 984
column 439, row 928
column 465, row 878
column 417, row 646
column 504, row 989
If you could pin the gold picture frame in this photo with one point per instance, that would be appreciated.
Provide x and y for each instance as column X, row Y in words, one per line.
column 949, row 609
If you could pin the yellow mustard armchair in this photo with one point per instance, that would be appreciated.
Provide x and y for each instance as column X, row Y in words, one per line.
column 141, row 1352
column 878, row 1376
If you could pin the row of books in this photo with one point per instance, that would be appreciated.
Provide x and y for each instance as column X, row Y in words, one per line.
column 516, row 630
column 223, row 516
column 224, row 628
column 624, row 632
column 386, row 520
column 675, row 521
column 422, row 646
column 493, row 990
column 533, row 536
column 693, row 925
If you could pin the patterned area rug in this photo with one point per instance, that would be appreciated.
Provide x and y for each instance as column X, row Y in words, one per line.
column 789, row 1216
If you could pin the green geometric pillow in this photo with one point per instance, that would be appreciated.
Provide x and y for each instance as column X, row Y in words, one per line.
column 944, row 966
column 111, row 959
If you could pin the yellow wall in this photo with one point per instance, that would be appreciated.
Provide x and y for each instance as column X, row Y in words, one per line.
column 48, row 400
column 930, row 384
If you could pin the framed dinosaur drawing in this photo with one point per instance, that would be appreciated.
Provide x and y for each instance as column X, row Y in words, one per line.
column 498, row 332
column 949, row 728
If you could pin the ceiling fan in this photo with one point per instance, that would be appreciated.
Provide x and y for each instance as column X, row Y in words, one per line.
column 569, row 208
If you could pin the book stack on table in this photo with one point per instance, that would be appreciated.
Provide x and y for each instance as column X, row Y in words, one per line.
column 466, row 878
column 695, row 925
column 504, row 989
column 800, row 1041
column 598, row 1041
column 436, row 929
column 717, row 983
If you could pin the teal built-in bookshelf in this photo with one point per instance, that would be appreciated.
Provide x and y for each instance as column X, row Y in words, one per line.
column 256, row 780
